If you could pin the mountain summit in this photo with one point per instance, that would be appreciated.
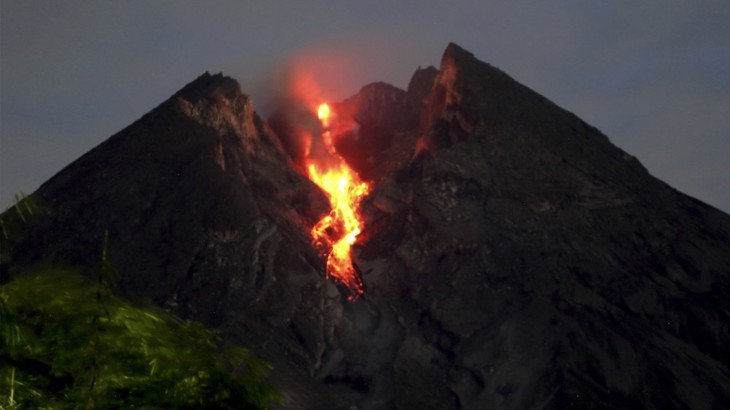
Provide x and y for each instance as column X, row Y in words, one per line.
column 511, row 256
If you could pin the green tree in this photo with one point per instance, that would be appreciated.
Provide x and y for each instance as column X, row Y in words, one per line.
column 69, row 343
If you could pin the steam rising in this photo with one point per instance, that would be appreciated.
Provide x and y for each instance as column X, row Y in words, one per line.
column 297, row 97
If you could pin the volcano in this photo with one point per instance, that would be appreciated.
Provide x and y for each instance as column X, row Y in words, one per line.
column 510, row 256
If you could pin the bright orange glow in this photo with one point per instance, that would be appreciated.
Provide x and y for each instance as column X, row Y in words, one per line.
column 337, row 231
column 323, row 113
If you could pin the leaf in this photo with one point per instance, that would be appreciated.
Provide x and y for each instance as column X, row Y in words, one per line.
column 132, row 356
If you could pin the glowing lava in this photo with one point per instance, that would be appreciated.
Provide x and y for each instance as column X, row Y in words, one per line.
column 323, row 112
column 336, row 232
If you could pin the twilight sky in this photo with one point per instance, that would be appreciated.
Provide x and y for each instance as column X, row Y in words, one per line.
column 653, row 75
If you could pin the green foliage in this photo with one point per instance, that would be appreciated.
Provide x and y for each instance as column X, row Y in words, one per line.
column 24, row 208
column 68, row 343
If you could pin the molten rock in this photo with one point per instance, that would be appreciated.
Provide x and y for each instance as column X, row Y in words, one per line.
column 511, row 256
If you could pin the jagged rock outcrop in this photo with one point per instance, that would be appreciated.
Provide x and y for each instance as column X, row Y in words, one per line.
column 512, row 257
column 387, row 121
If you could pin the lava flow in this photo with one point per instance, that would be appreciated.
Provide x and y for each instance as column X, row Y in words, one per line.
column 336, row 232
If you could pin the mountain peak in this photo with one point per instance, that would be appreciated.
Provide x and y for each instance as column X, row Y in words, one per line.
column 422, row 81
column 455, row 52
column 217, row 101
column 522, row 262
column 458, row 62
column 207, row 85
column 202, row 157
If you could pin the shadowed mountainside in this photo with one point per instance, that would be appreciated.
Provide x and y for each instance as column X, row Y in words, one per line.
column 512, row 256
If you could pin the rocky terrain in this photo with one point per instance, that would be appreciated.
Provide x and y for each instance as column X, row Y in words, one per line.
column 512, row 257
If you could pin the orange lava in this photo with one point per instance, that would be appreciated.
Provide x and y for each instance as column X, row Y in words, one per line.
column 337, row 231
column 323, row 113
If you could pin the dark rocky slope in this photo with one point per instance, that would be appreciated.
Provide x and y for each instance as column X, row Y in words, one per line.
column 512, row 257
column 542, row 263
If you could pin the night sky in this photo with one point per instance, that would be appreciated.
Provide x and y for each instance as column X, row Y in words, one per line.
column 652, row 75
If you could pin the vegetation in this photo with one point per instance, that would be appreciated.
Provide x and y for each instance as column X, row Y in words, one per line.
column 69, row 343
column 66, row 342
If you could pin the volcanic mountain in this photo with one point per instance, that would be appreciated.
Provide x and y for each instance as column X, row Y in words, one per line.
column 511, row 256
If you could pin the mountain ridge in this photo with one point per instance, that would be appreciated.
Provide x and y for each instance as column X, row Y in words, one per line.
column 511, row 257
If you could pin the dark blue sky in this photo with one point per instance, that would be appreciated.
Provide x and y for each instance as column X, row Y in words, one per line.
column 652, row 75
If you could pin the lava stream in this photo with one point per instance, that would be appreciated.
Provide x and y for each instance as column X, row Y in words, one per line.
column 337, row 231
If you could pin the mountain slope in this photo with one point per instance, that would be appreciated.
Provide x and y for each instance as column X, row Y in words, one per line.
column 560, row 269
column 512, row 257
